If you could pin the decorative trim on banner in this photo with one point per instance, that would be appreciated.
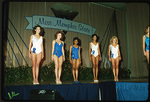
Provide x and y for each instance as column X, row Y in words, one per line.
column 59, row 23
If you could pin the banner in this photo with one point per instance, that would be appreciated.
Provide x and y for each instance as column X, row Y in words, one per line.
column 59, row 23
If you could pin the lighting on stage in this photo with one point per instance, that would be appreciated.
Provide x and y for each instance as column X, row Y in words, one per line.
column 64, row 11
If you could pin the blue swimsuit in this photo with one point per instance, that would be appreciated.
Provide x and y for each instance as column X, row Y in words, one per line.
column 75, row 53
column 147, row 43
column 58, row 49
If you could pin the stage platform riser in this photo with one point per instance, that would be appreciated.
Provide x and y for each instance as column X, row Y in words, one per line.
column 120, row 91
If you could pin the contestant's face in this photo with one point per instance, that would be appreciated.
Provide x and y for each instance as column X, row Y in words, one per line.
column 75, row 42
column 59, row 36
column 114, row 40
column 37, row 29
column 94, row 38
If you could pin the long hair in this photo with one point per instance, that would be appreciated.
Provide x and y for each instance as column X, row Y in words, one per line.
column 62, row 37
column 97, row 37
column 114, row 37
column 146, row 29
column 41, row 30
column 76, row 38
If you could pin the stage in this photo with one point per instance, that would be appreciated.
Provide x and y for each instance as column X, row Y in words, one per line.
column 102, row 91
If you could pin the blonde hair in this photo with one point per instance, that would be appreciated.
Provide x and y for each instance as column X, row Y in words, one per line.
column 114, row 37
column 146, row 29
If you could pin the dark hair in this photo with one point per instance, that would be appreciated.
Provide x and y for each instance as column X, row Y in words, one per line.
column 62, row 37
column 75, row 38
column 97, row 37
column 41, row 30
column 146, row 29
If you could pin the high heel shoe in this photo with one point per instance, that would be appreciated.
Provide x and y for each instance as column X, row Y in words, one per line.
column 115, row 78
column 34, row 83
column 96, row 81
column 60, row 82
column 56, row 82
column 76, row 81
column 37, row 83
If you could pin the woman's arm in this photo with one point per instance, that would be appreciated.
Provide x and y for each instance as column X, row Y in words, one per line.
column 79, row 55
column 119, row 52
column 99, row 53
column 70, row 54
column 90, row 51
column 30, row 43
column 144, row 45
column 53, row 42
column 109, row 53
column 42, row 48
column 63, row 51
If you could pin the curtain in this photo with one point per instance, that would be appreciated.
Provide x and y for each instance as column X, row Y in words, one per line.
column 93, row 15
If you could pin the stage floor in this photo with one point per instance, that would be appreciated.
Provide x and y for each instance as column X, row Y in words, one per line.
column 81, row 81
column 105, row 90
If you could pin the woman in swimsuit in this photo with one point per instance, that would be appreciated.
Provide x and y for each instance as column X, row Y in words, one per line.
column 146, row 40
column 75, row 59
column 94, row 56
column 114, row 56
column 58, row 54
column 36, row 53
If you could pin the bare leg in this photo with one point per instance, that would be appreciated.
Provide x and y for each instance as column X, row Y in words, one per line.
column 56, row 67
column 94, row 69
column 33, row 58
column 117, row 68
column 60, row 67
column 73, row 69
column 39, row 57
column 147, row 56
column 113, row 67
column 77, row 67
column 96, row 72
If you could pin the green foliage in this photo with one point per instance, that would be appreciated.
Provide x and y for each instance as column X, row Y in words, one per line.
column 24, row 73
column 124, row 73
column 18, row 74
column 105, row 73
column 12, row 94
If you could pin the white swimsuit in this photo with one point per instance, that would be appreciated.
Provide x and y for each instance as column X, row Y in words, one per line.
column 94, row 49
column 114, row 52
column 36, row 48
